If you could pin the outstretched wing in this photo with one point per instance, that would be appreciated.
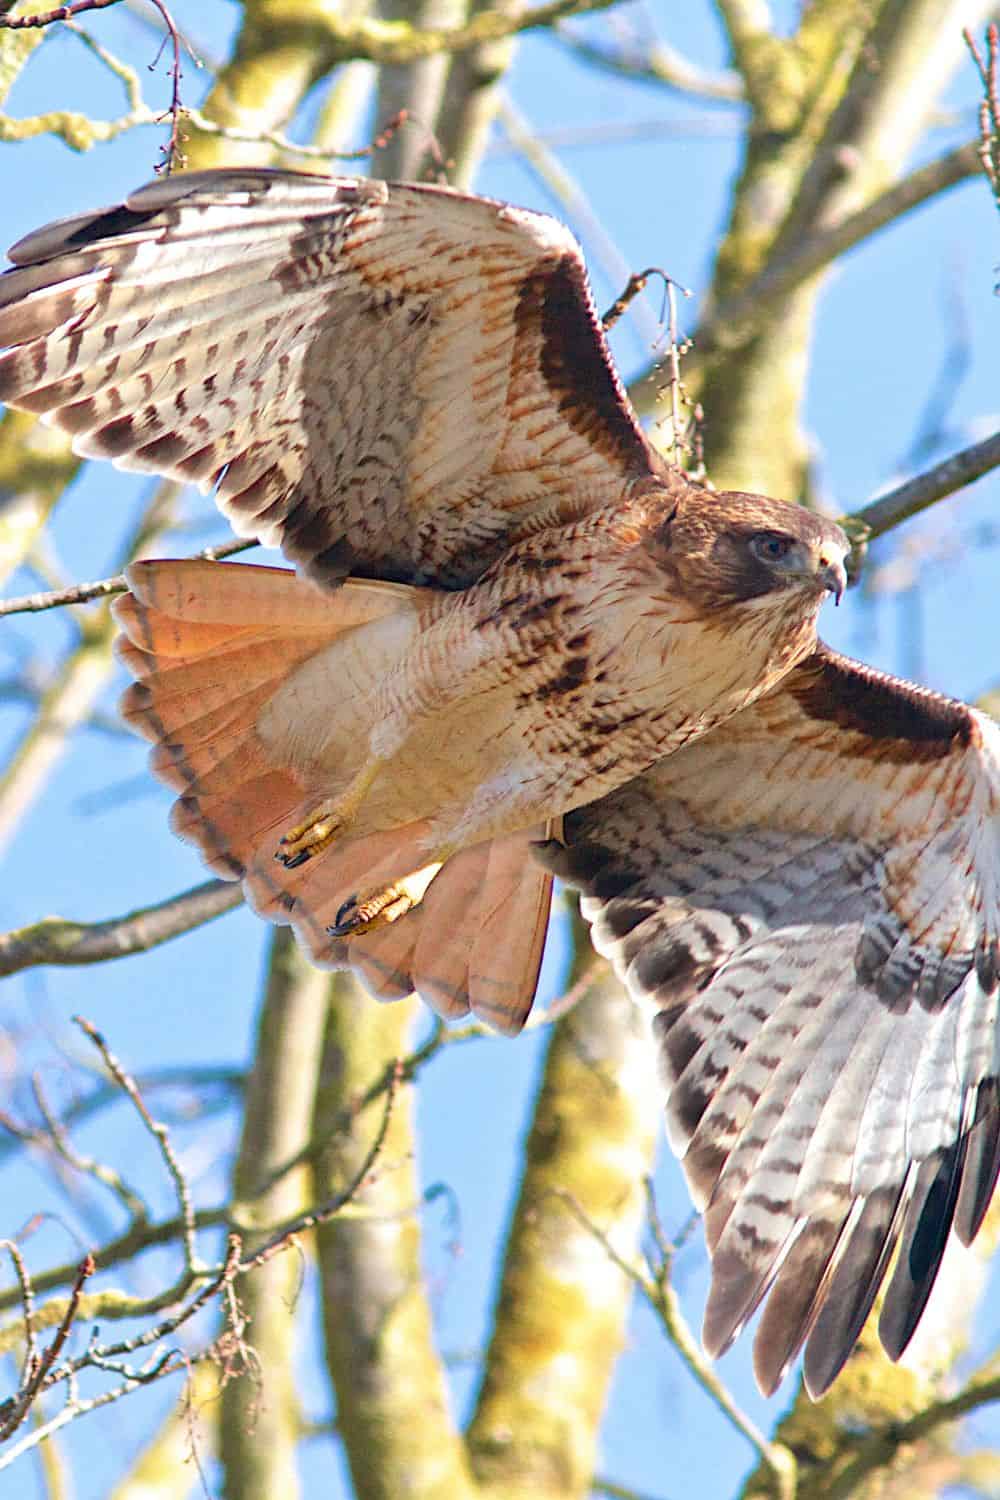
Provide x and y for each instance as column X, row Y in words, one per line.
column 386, row 379
column 808, row 899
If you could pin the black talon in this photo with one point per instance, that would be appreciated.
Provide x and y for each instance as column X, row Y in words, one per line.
column 347, row 918
column 292, row 861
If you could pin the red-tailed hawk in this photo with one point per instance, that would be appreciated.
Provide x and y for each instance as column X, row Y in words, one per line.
column 530, row 630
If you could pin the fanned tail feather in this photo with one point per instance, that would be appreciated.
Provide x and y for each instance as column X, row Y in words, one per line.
column 209, row 645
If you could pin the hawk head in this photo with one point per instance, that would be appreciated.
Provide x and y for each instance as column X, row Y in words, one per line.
column 730, row 548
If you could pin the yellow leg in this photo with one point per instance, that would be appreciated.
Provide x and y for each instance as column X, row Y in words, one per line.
column 363, row 914
column 327, row 821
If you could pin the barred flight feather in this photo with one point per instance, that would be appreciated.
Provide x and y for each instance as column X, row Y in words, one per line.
column 811, row 918
column 399, row 380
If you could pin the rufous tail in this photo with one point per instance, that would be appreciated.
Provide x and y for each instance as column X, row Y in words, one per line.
column 209, row 645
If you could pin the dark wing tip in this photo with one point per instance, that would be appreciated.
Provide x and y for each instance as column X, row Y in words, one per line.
column 982, row 1164
column 925, row 1237
column 794, row 1302
column 858, row 1269
column 738, row 1286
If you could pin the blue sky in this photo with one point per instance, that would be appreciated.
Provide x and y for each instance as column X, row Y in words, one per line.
column 887, row 319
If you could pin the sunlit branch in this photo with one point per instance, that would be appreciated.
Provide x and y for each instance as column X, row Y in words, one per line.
column 398, row 42
column 738, row 319
column 734, row 321
column 658, row 62
column 877, row 1449
column 925, row 489
column 160, row 1135
column 58, row 941
column 102, row 588
column 663, row 1299
column 988, row 68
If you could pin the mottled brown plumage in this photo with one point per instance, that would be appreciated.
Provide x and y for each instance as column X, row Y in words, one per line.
column 530, row 630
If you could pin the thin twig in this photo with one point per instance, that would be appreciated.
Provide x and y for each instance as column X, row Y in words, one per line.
column 739, row 318
column 140, row 1238
column 637, row 282
column 113, row 1305
column 191, row 1079
column 988, row 69
column 281, row 1236
column 214, row 1283
column 73, row 1409
column 106, row 1356
column 675, row 350
column 171, row 154
column 664, row 1301
column 397, row 42
column 56, row 1139
column 31, row 1354
column 14, row 1411
column 83, row 593
column 657, row 62
column 49, row 17
column 161, row 1136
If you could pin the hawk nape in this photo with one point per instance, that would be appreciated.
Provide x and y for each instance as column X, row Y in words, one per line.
column 525, row 645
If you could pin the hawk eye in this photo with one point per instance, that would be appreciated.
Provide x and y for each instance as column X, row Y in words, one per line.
column 770, row 546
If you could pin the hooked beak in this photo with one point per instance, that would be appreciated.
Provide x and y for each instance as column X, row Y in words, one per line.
column 833, row 576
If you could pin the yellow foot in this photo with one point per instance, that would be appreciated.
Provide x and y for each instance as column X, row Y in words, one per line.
column 326, row 822
column 361, row 914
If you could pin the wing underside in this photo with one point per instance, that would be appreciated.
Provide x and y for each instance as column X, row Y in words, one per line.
column 806, row 903
column 395, row 381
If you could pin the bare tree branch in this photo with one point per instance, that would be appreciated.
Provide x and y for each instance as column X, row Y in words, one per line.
column 160, row 1135
column 988, row 68
column 189, row 1079
column 56, row 940
column 876, row 1450
column 739, row 318
column 657, row 62
column 397, row 43
column 39, row 1365
column 736, row 321
column 925, row 489
column 664, row 1301
column 49, row 17
column 164, row 1468
column 104, row 588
